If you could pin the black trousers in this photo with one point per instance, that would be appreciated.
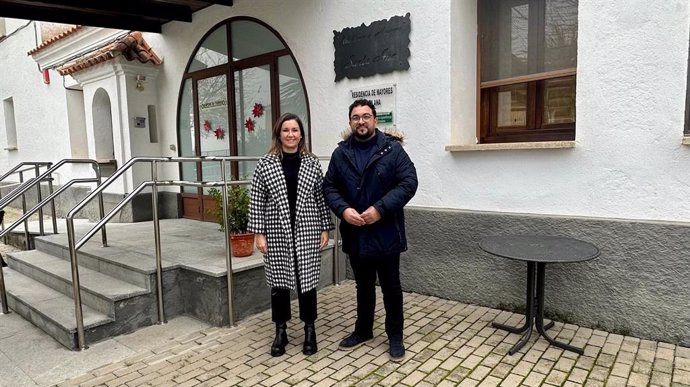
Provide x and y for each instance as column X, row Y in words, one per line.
column 280, row 306
column 280, row 299
column 365, row 270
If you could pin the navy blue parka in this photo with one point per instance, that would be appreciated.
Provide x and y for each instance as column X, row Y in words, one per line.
column 388, row 182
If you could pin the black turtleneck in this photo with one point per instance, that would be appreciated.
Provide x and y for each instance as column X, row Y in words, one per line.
column 363, row 152
column 291, row 163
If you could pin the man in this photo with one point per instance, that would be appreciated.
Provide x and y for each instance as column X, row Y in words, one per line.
column 370, row 178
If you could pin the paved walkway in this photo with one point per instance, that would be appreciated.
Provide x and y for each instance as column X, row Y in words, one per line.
column 449, row 344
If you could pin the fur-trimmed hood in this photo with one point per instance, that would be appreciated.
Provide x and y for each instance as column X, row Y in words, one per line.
column 392, row 133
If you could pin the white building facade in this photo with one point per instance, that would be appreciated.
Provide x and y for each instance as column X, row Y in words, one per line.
column 609, row 168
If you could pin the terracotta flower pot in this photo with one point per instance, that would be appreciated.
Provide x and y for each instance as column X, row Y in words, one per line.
column 242, row 244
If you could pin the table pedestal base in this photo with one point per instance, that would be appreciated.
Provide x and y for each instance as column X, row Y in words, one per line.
column 535, row 300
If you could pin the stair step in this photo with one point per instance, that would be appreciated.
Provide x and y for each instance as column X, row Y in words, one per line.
column 99, row 290
column 49, row 309
column 129, row 266
column 122, row 262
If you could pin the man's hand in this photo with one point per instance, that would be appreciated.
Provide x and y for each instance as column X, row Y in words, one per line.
column 351, row 216
column 324, row 239
column 261, row 243
column 371, row 215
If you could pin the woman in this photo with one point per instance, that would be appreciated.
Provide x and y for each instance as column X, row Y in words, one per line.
column 291, row 221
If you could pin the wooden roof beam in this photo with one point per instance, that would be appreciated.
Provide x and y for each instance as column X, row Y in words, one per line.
column 68, row 16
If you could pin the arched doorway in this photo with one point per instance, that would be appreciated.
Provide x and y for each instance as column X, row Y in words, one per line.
column 238, row 81
column 103, row 126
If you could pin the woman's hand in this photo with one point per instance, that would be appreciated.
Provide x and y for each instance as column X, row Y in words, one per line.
column 324, row 239
column 261, row 243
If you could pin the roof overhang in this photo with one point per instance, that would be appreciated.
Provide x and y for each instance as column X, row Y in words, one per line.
column 138, row 15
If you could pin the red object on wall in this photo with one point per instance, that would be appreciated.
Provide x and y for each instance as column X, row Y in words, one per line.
column 46, row 77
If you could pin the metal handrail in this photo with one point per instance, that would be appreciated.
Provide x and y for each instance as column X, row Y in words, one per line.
column 75, row 245
column 23, row 187
column 16, row 168
column 34, row 165
column 47, row 175
column 23, row 218
column 45, row 201
column 20, row 190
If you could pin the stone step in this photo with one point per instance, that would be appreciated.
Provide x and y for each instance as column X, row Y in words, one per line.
column 51, row 310
column 99, row 291
column 126, row 265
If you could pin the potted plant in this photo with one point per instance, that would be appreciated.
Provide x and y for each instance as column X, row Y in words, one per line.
column 241, row 241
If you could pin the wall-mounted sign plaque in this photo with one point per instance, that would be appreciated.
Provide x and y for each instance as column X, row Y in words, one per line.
column 378, row 48
column 383, row 97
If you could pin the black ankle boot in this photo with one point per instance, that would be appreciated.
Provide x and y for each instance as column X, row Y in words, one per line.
column 281, row 340
column 309, row 340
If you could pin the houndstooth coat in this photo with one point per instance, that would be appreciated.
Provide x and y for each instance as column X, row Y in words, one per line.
column 269, row 214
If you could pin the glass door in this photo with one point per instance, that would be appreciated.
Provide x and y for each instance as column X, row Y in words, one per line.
column 254, row 116
column 206, row 133
column 213, row 133
column 237, row 82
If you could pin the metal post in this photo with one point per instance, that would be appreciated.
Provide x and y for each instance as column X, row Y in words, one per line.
column 26, row 221
column 39, row 198
column 3, row 293
column 228, row 248
column 2, row 223
column 157, row 240
column 52, row 203
column 336, row 252
column 101, row 211
column 81, row 341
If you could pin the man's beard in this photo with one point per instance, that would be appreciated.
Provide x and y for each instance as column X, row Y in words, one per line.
column 362, row 136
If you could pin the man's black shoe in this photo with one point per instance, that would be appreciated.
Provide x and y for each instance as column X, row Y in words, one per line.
column 397, row 349
column 353, row 341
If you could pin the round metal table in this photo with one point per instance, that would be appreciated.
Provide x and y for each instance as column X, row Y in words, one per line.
column 537, row 251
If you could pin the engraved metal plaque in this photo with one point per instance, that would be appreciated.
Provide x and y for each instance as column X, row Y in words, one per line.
column 378, row 48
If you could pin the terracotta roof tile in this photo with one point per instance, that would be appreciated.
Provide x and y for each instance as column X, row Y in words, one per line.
column 132, row 47
column 55, row 38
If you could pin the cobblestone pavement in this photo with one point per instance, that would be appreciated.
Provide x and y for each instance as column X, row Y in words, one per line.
column 449, row 344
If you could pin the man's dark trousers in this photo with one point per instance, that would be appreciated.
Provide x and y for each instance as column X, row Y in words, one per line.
column 365, row 270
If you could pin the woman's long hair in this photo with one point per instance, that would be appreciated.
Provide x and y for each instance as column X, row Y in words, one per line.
column 277, row 146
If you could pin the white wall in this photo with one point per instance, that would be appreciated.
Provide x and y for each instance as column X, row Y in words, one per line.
column 632, row 63
column 77, row 124
column 40, row 109
column 137, row 106
column 627, row 163
column 312, row 44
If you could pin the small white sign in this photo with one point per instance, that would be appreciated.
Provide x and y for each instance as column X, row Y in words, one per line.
column 383, row 98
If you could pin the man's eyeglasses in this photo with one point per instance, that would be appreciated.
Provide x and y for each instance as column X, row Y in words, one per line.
column 365, row 117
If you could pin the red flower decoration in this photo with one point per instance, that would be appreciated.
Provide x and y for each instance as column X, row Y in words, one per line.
column 258, row 110
column 207, row 125
column 249, row 124
column 220, row 133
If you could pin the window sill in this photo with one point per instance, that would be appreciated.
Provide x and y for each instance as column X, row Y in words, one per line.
column 686, row 140
column 510, row 146
column 11, row 148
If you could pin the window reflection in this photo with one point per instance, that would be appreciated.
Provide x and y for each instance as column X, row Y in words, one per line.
column 186, row 133
column 519, row 26
column 252, row 39
column 292, row 97
column 253, row 109
column 560, row 35
column 559, row 101
column 212, row 52
column 512, row 105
